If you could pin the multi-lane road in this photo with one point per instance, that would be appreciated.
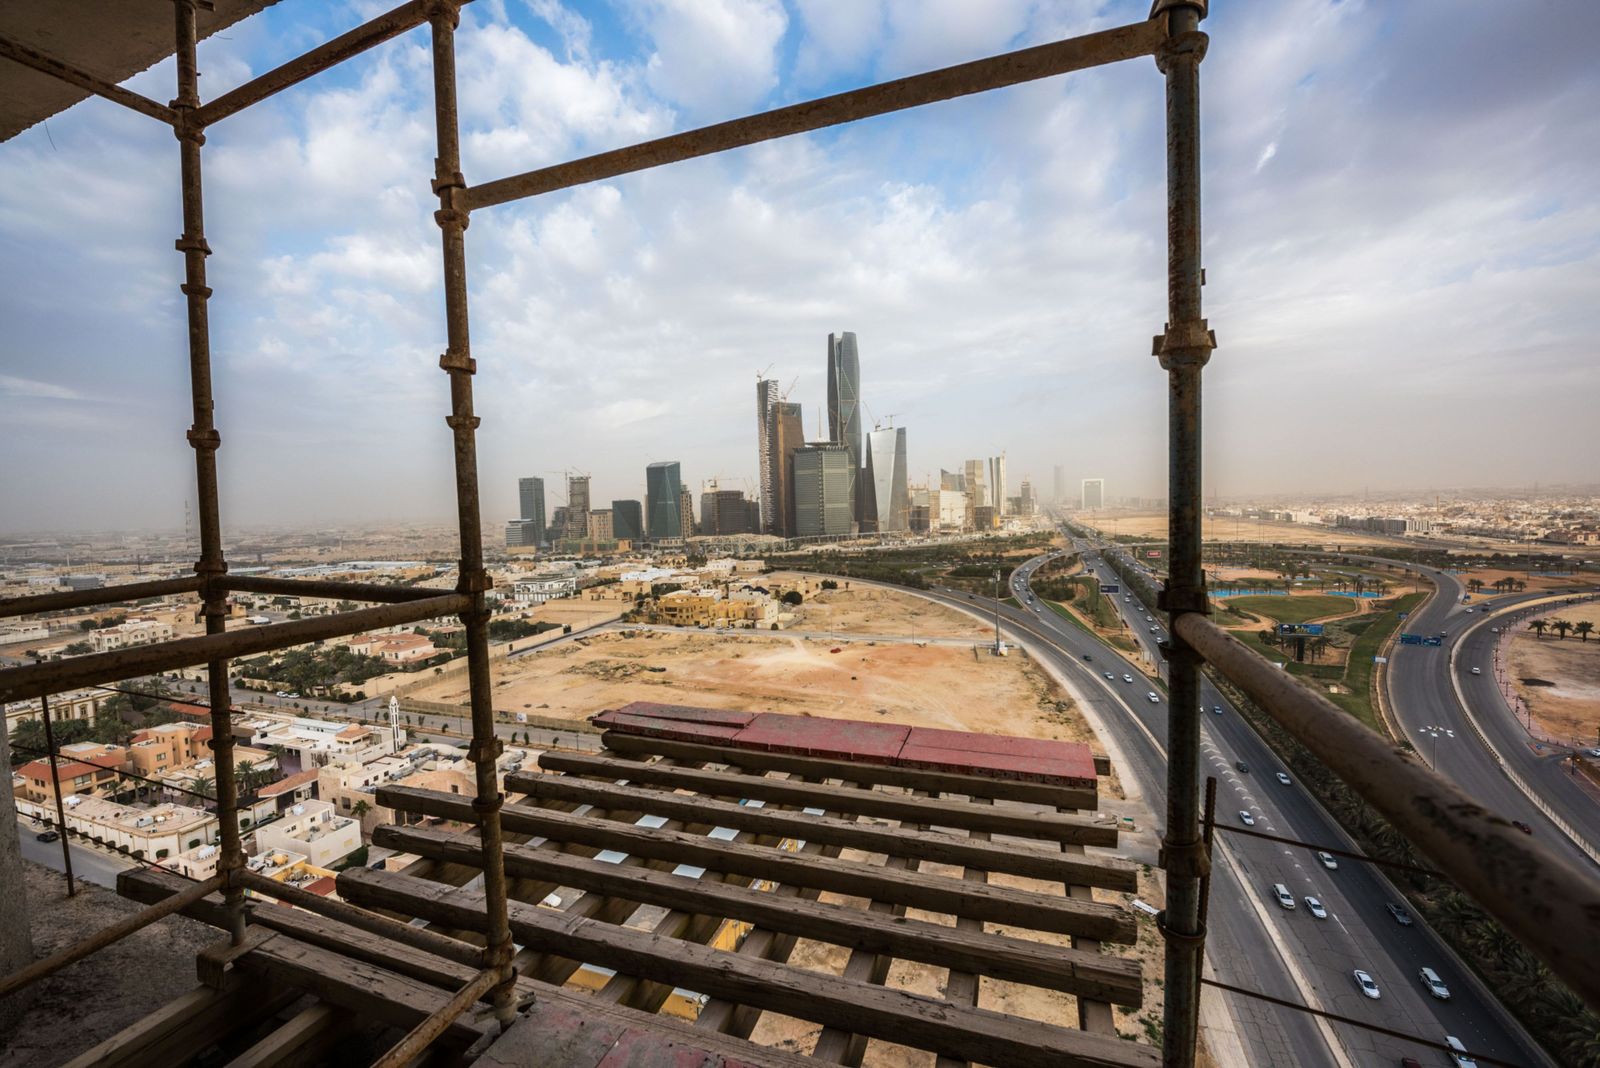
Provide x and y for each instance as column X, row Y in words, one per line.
column 1252, row 941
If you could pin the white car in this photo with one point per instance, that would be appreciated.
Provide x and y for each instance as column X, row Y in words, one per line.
column 1110, row 676
column 1458, row 1053
column 1126, row 677
column 1284, row 779
column 1435, row 985
column 1316, row 908
column 1152, row 630
column 1246, row 819
column 1152, row 698
column 1368, row 985
column 1281, row 892
column 1329, row 861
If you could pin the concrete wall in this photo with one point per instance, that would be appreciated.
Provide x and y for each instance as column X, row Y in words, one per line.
column 16, row 939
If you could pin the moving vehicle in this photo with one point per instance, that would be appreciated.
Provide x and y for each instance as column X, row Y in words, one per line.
column 1329, row 861
column 1285, row 898
column 1435, row 985
column 1246, row 819
column 1241, row 766
column 1126, row 677
column 46, row 836
column 1316, row 908
column 1284, row 779
column 1477, row 671
column 1152, row 698
column 1458, row 1053
column 1110, row 676
column 1401, row 916
column 1523, row 827
column 1368, row 985
column 1217, row 709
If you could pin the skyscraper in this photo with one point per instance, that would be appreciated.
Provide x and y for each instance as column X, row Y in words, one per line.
column 724, row 512
column 577, row 507
column 822, row 490
column 952, row 480
column 1025, row 497
column 977, row 484
column 1094, row 494
column 883, row 490
column 530, row 498
column 627, row 521
column 662, row 489
column 1060, row 487
column 997, row 485
column 784, row 436
column 844, row 406
column 685, row 513
column 766, row 397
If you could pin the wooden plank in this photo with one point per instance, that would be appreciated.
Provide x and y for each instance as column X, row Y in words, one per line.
column 934, row 893
column 1110, row 872
column 959, row 814
column 302, row 1040
column 871, row 774
column 892, row 1015
column 1001, row 956
column 961, row 985
column 188, row 1025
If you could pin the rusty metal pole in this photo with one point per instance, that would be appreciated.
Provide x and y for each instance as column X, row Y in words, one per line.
column 1183, row 348
column 474, row 582
column 61, row 808
column 204, row 438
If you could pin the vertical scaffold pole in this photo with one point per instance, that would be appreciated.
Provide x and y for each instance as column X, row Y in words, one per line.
column 1183, row 348
column 61, row 807
column 204, row 438
column 474, row 581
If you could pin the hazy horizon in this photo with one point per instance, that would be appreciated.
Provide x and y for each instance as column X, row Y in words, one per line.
column 1402, row 259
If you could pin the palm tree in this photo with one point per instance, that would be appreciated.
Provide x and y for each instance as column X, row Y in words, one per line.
column 1560, row 626
column 1474, row 585
column 359, row 809
column 246, row 775
column 204, row 785
column 1538, row 627
column 1583, row 628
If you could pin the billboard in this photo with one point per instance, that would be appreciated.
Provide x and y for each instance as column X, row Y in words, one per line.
column 1110, row 587
column 1153, row 553
column 1410, row 639
column 1313, row 629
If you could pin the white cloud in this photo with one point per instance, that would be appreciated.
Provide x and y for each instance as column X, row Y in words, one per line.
column 713, row 58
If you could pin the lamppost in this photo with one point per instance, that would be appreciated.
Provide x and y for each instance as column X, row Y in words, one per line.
column 1434, row 732
column 997, row 611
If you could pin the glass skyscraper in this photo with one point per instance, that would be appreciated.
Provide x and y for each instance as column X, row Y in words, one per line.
column 663, row 489
column 530, row 498
column 844, row 406
column 627, row 521
column 883, row 490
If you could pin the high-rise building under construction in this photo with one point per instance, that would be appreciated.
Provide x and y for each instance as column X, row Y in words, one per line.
column 766, row 482
column 844, row 407
column 785, row 434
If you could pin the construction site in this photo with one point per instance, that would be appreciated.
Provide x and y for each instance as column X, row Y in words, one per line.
column 716, row 885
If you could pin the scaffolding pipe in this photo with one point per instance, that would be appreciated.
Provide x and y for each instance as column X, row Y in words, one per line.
column 1012, row 68
column 61, row 808
column 344, row 591
column 369, row 34
column 35, row 680
column 133, row 591
column 106, row 936
column 1183, row 349
column 1546, row 903
column 474, row 581
column 18, row 52
column 422, row 1036
column 363, row 920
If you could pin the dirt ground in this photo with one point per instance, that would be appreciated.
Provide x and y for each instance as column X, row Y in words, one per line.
column 870, row 610
column 1536, row 583
column 1570, row 706
column 1154, row 525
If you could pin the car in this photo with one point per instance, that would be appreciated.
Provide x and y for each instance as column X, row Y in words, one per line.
column 281, row 693
column 1217, row 709
column 1148, row 617
column 1316, row 908
column 1126, row 677
column 1241, row 766
column 1435, row 985
column 1368, row 985
column 1281, row 892
column 1592, row 752
column 292, row 694
column 1246, row 819
column 1477, row 671
column 46, row 836
column 1458, row 1053
column 1469, row 611
column 1152, row 630
column 1152, row 698
column 1284, row 779
column 1086, row 656
column 1523, row 827
column 1401, row 916
column 1329, row 861
column 1494, row 630
column 1110, row 676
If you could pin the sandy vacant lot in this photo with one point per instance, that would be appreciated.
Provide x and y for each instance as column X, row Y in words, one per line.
column 869, row 610
column 1570, row 707
column 1154, row 525
column 1535, row 583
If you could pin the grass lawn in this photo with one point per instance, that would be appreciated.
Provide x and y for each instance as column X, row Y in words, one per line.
column 1116, row 641
column 1358, row 671
column 1294, row 609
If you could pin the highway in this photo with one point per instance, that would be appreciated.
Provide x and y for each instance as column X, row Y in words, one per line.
column 1252, row 942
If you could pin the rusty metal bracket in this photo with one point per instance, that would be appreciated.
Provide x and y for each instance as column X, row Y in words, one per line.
column 479, row 581
column 449, row 218
column 1161, row 7
column 481, row 805
column 1191, row 942
column 1185, row 858
column 1186, row 344
column 1191, row 43
column 192, row 244
column 1172, row 598
column 209, row 438
column 462, row 422
column 214, row 962
column 456, row 361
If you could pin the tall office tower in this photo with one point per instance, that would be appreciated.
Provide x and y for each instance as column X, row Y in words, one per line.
column 767, row 484
column 724, row 512
column 685, row 513
column 784, row 436
column 1094, row 494
column 600, row 526
column 997, row 485
column 844, row 406
column 1025, row 498
column 952, row 480
column 523, row 534
column 662, row 489
column 558, row 524
column 1060, row 487
column 822, row 490
column 627, row 521
column 977, row 484
column 883, row 490
column 530, row 495
column 577, row 507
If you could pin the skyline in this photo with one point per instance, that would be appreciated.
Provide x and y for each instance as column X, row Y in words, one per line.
column 1006, row 290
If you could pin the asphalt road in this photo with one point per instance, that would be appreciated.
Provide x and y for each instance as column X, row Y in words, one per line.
column 88, row 863
column 1253, row 943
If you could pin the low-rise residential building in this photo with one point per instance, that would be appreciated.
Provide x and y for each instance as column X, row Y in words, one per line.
column 709, row 608
column 347, row 785
column 133, row 632
column 542, row 588
column 149, row 833
column 315, row 742
column 68, row 705
column 83, row 768
column 168, row 747
column 287, row 792
column 314, row 830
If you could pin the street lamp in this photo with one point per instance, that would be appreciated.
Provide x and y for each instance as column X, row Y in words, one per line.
column 1433, row 733
column 997, row 611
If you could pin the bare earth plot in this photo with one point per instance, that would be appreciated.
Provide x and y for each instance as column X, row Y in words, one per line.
column 1154, row 525
column 872, row 610
column 1560, row 680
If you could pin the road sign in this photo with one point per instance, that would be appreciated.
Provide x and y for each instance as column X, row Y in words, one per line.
column 1404, row 614
column 1410, row 639
column 1380, row 660
column 1313, row 629
column 1152, row 553
column 1433, row 641
column 1110, row 587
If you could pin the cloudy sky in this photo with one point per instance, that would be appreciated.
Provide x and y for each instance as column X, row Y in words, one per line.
column 1402, row 250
